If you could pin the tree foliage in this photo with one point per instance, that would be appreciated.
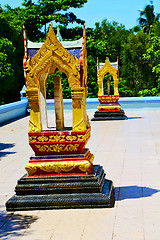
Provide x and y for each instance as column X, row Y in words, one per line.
column 34, row 16
column 50, row 85
column 106, row 40
column 39, row 14
column 148, row 18
column 135, row 70
column 11, row 60
column 152, row 56
column 137, row 49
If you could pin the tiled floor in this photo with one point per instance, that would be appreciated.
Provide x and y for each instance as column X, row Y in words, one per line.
column 130, row 154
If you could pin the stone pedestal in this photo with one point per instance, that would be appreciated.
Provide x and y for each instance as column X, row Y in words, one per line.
column 109, row 115
column 109, row 109
column 63, row 191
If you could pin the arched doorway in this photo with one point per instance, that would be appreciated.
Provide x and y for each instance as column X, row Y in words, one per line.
column 41, row 66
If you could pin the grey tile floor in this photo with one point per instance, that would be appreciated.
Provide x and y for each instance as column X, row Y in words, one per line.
column 130, row 154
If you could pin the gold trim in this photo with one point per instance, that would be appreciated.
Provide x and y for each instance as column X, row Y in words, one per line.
column 58, row 147
column 78, row 108
column 108, row 107
column 59, row 138
column 52, row 53
column 57, row 167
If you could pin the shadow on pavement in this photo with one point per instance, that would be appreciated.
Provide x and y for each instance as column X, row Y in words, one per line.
column 135, row 117
column 5, row 146
column 134, row 192
column 14, row 225
column 13, row 120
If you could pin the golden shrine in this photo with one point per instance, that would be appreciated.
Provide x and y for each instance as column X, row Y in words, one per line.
column 51, row 56
column 61, row 173
column 109, row 108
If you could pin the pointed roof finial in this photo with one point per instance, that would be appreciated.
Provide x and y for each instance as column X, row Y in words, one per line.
column 51, row 24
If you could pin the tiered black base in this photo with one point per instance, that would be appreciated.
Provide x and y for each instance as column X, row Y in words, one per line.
column 60, row 192
column 109, row 115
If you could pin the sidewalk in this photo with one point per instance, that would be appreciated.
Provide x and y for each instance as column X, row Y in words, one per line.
column 129, row 151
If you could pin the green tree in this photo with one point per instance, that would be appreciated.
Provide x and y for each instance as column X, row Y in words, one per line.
column 7, row 80
column 105, row 40
column 11, row 49
column 135, row 71
column 50, row 85
column 71, row 34
column 39, row 14
column 152, row 56
column 156, row 29
column 148, row 18
column 34, row 16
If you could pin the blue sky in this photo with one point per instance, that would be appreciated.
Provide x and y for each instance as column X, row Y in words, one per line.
column 121, row 11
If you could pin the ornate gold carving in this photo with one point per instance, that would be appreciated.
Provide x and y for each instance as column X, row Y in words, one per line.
column 83, row 137
column 58, row 147
column 50, row 56
column 108, row 98
column 31, row 169
column 78, row 107
column 57, row 167
column 35, row 118
column 49, row 167
column 32, row 138
column 107, row 68
column 79, row 126
column 42, row 138
column 71, row 138
column 59, row 138
column 52, row 53
column 34, row 126
column 107, row 107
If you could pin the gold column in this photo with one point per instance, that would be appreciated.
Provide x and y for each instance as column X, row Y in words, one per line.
column 108, row 84
column 84, row 108
column 100, row 86
column 116, row 92
column 58, row 101
column 35, row 118
column 78, row 102
column 43, row 106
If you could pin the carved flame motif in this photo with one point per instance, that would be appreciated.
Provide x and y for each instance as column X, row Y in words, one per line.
column 52, row 53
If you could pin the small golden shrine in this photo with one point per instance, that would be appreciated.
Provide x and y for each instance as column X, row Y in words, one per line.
column 61, row 173
column 51, row 56
column 109, row 108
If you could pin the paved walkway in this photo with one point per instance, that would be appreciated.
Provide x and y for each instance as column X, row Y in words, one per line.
column 130, row 154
